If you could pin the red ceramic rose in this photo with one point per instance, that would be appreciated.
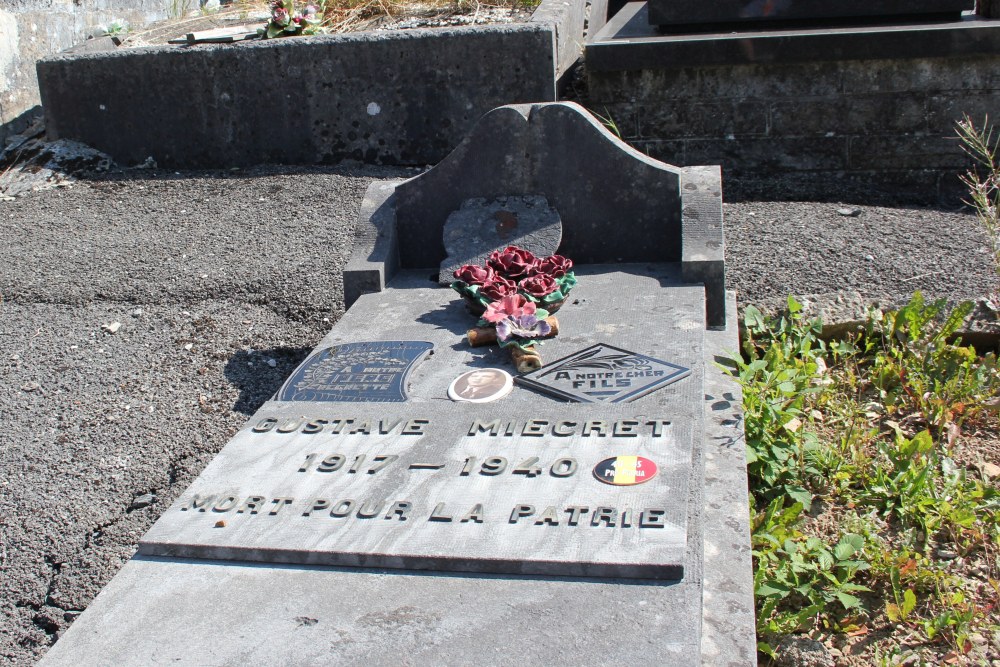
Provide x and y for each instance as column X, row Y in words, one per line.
column 471, row 274
column 556, row 266
column 512, row 262
column 538, row 285
column 498, row 288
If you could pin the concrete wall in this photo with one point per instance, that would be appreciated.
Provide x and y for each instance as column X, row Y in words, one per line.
column 569, row 20
column 32, row 29
column 396, row 97
column 402, row 97
column 879, row 121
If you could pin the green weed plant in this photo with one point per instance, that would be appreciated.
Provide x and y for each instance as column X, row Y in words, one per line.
column 983, row 180
column 861, row 432
column 117, row 28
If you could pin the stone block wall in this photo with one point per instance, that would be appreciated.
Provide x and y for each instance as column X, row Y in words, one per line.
column 885, row 122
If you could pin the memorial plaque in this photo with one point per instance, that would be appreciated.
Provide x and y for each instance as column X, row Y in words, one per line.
column 473, row 491
column 603, row 373
column 356, row 373
column 507, row 486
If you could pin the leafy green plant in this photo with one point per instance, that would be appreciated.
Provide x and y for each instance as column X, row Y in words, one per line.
column 953, row 623
column 902, row 609
column 864, row 430
column 777, row 377
column 117, row 28
column 901, row 485
column 918, row 371
column 799, row 577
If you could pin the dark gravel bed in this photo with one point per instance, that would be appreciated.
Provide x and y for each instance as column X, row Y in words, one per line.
column 219, row 284
column 885, row 253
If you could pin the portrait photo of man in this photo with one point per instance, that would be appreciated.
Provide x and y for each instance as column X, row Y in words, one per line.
column 481, row 385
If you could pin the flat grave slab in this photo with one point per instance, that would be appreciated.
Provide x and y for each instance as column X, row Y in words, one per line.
column 154, row 611
column 513, row 486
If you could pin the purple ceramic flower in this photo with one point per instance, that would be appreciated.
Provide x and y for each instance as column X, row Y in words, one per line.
column 522, row 326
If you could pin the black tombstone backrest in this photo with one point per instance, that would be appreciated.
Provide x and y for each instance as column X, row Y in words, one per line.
column 616, row 204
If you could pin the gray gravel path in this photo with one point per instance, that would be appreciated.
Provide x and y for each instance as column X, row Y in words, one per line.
column 778, row 248
column 221, row 283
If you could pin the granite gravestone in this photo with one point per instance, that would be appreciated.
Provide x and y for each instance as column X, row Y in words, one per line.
column 363, row 461
column 507, row 487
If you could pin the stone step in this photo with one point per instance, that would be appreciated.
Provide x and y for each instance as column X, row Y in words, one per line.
column 672, row 14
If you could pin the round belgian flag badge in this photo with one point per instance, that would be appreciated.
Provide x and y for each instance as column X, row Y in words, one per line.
column 625, row 470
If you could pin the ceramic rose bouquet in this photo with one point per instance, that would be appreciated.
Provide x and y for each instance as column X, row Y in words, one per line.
column 515, row 293
column 545, row 281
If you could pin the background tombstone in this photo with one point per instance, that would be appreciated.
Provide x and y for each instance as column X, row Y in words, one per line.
column 671, row 14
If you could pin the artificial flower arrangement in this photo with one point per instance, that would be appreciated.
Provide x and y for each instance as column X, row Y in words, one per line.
column 286, row 20
column 515, row 294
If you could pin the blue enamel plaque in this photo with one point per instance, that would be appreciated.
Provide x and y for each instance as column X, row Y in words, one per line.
column 373, row 372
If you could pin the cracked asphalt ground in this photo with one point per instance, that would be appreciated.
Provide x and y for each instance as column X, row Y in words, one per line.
column 221, row 283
